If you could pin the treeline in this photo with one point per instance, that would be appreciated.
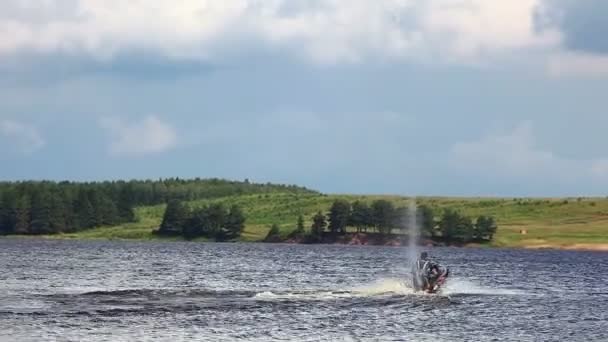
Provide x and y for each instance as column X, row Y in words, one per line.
column 383, row 217
column 213, row 221
column 45, row 207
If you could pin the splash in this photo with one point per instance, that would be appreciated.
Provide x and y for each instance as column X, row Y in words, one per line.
column 389, row 287
column 413, row 231
column 384, row 286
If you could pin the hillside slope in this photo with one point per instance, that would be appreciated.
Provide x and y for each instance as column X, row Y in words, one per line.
column 558, row 223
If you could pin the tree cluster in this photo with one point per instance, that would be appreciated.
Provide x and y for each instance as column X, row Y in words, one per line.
column 47, row 207
column 383, row 217
column 52, row 207
column 213, row 221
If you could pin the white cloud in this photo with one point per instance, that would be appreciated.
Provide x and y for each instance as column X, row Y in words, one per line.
column 325, row 31
column 149, row 136
column 479, row 26
column 516, row 156
column 20, row 137
column 578, row 64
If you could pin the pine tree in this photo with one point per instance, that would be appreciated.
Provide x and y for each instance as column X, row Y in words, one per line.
column 21, row 214
column 71, row 219
column 95, row 198
column 58, row 214
column 197, row 224
column 85, row 213
column 216, row 218
column 108, row 212
column 455, row 227
column 484, row 229
column 5, row 221
column 274, row 234
column 234, row 224
column 427, row 221
column 300, row 225
column 339, row 214
column 464, row 230
column 40, row 213
column 383, row 213
column 125, row 204
column 361, row 216
column 318, row 226
column 174, row 219
column 448, row 224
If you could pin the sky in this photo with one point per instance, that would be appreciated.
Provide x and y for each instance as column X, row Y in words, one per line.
column 410, row 97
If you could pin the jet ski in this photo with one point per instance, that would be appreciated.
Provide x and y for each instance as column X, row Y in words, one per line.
column 430, row 283
column 427, row 276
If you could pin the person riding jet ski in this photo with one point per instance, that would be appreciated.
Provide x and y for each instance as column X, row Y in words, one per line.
column 427, row 275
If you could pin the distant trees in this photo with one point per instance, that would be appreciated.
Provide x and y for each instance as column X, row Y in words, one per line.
column 485, row 228
column 318, row 226
column 384, row 217
column 274, row 234
column 300, row 225
column 175, row 218
column 300, row 231
column 426, row 220
column 233, row 225
column 339, row 215
column 361, row 216
column 213, row 221
column 455, row 227
column 44, row 207
column 47, row 207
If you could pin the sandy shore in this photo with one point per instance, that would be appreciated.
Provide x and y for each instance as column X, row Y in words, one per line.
column 597, row 247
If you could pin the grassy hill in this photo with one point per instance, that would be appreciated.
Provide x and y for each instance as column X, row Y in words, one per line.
column 549, row 222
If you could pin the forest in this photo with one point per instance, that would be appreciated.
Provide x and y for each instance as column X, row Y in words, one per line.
column 47, row 207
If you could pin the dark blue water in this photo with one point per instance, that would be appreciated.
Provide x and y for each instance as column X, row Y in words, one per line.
column 126, row 291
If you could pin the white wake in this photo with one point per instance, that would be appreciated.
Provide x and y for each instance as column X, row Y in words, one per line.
column 458, row 286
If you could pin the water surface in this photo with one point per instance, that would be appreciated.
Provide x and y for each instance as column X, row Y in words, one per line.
column 148, row 291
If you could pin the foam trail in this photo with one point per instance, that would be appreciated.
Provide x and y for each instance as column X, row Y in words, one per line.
column 387, row 286
column 308, row 295
column 466, row 287
column 383, row 286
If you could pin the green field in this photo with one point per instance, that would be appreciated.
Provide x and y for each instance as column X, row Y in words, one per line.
column 549, row 222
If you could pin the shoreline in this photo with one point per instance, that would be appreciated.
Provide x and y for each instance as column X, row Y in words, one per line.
column 580, row 247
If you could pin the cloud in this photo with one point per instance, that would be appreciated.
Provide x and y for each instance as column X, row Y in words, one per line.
column 515, row 156
column 150, row 136
column 324, row 31
column 582, row 23
column 582, row 26
column 578, row 64
column 20, row 137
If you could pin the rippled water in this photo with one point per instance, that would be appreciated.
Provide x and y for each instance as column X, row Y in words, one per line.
column 125, row 291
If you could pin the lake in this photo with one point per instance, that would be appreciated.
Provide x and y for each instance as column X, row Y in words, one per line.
column 57, row 290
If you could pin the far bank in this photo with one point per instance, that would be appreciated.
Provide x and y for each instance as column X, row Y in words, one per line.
column 538, row 223
column 350, row 239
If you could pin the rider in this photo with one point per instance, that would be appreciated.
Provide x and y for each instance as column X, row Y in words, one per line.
column 427, row 268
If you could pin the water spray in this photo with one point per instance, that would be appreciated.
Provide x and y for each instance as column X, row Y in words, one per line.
column 413, row 231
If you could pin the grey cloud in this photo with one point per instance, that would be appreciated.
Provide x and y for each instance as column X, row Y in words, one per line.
column 136, row 65
column 582, row 22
